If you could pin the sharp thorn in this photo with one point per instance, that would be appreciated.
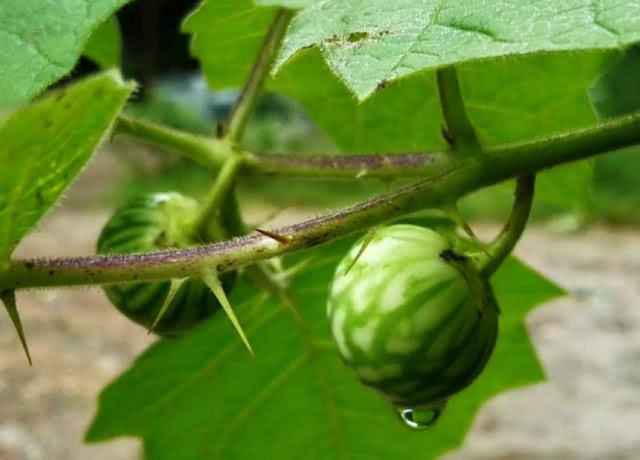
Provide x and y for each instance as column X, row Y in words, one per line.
column 174, row 287
column 211, row 280
column 9, row 301
column 284, row 239
column 368, row 238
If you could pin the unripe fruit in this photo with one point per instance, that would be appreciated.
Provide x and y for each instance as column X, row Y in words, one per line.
column 152, row 223
column 412, row 318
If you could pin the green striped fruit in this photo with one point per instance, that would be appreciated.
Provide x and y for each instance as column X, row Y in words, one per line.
column 152, row 223
column 411, row 317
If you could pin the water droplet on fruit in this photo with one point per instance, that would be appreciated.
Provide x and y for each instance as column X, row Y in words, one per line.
column 420, row 419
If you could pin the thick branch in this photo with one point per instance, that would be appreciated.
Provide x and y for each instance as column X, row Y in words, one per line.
column 230, row 254
column 468, row 175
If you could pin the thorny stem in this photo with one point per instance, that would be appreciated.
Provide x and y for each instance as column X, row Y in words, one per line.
column 252, row 89
column 495, row 253
column 601, row 138
column 472, row 173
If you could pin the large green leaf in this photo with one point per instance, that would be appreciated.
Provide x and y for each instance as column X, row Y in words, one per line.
column 369, row 41
column 104, row 46
column 43, row 146
column 204, row 396
column 42, row 40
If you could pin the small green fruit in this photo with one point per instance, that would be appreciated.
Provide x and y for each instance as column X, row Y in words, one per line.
column 412, row 318
column 153, row 223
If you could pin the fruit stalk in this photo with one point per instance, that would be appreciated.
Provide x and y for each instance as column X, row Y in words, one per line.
column 494, row 254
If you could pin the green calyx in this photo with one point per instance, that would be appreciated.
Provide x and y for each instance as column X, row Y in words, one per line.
column 152, row 223
column 412, row 318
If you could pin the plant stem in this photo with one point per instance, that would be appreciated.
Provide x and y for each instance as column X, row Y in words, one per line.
column 254, row 85
column 501, row 247
column 221, row 206
column 459, row 131
column 361, row 167
column 207, row 151
column 471, row 174
column 210, row 208
column 604, row 137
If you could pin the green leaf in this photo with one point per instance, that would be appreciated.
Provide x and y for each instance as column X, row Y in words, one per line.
column 617, row 91
column 226, row 38
column 218, row 26
column 104, row 46
column 202, row 396
column 516, row 99
column 402, row 116
column 42, row 40
column 369, row 41
column 45, row 145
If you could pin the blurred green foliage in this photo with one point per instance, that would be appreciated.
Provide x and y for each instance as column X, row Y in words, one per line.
column 616, row 187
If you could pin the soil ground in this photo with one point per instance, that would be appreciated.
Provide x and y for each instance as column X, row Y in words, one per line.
column 588, row 343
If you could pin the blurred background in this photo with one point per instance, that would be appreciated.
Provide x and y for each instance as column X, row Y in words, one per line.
column 589, row 408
